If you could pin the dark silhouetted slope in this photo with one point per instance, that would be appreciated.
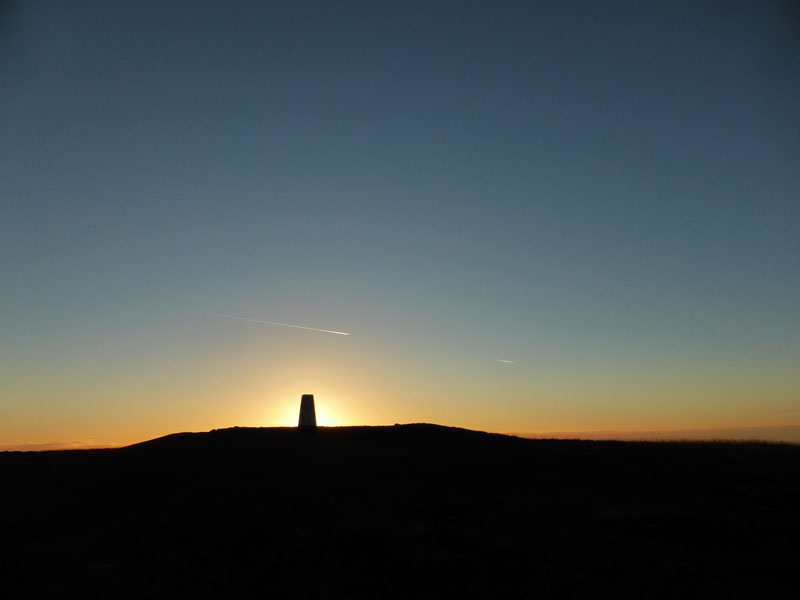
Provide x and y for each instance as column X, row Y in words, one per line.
column 409, row 511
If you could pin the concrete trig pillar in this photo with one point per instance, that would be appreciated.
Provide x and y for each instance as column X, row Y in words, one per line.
column 308, row 416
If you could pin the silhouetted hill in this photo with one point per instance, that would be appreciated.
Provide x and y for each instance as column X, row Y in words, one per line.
column 409, row 511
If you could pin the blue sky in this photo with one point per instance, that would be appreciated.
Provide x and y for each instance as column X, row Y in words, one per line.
column 605, row 193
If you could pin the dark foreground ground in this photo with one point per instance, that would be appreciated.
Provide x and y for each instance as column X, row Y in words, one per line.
column 412, row 511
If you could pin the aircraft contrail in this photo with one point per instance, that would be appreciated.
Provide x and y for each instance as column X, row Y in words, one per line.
column 281, row 324
column 508, row 362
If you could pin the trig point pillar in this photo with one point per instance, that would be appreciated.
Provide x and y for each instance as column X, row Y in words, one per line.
column 308, row 416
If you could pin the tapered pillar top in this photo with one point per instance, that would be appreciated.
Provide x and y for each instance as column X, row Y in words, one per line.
column 308, row 416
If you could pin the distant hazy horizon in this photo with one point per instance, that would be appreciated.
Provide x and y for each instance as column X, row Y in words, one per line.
column 778, row 433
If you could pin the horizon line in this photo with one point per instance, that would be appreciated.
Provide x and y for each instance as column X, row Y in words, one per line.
column 607, row 435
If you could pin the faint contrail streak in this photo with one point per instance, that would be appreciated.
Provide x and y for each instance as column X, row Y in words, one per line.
column 281, row 324
column 508, row 362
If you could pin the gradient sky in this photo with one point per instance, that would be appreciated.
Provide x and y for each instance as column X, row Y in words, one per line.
column 605, row 193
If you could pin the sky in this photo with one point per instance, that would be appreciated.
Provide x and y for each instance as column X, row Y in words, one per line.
column 528, row 216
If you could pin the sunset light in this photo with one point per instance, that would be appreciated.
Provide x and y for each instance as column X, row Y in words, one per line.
column 400, row 299
column 534, row 217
